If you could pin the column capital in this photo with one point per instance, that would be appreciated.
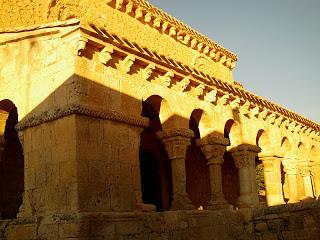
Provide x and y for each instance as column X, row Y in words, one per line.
column 269, row 161
column 213, row 148
column 290, row 165
column 176, row 141
column 244, row 154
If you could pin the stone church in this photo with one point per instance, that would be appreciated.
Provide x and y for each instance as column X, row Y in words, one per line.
column 117, row 121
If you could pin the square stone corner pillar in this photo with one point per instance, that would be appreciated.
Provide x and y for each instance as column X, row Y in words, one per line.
column 244, row 156
column 305, row 172
column 176, row 142
column 315, row 173
column 291, row 169
column 213, row 148
column 272, row 178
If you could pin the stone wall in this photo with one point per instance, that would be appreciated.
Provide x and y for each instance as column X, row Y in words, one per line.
column 288, row 222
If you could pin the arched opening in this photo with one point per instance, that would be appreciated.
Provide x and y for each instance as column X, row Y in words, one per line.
column 286, row 151
column 197, row 171
column 155, row 167
column 262, row 141
column 230, row 174
column 11, row 162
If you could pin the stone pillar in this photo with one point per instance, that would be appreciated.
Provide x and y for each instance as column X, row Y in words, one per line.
column 305, row 172
column 176, row 142
column 272, row 179
column 244, row 156
column 290, row 167
column 214, row 147
column 315, row 172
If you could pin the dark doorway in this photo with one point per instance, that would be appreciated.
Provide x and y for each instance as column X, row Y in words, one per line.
column 11, row 164
column 155, row 167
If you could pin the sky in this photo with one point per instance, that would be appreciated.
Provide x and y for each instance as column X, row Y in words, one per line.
column 277, row 43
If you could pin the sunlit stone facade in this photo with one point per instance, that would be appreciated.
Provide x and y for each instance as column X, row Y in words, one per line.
column 119, row 122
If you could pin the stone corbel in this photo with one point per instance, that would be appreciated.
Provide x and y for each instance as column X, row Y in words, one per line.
column 223, row 59
column 272, row 118
column 235, row 105
column 211, row 96
column 233, row 65
column 292, row 126
column 200, row 46
column 182, row 85
column 206, row 50
column 218, row 56
column 180, row 35
column 80, row 46
column 119, row 4
column 278, row 121
column 126, row 64
column 138, row 13
column 298, row 128
column 105, row 54
column 194, row 43
column 285, row 123
column 129, row 7
column 165, row 26
column 147, row 72
column 165, row 80
column 148, row 17
column 246, row 108
column 157, row 23
column 212, row 53
column 308, row 131
column 186, row 39
column 197, row 91
column 255, row 112
column 224, row 100
column 172, row 31
column 263, row 115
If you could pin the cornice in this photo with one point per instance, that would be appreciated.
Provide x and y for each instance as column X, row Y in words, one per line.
column 211, row 89
column 160, row 20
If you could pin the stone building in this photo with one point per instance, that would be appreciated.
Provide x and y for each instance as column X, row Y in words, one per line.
column 117, row 121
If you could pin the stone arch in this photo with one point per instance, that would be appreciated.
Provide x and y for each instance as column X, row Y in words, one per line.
column 230, row 174
column 11, row 162
column 302, row 153
column 314, row 154
column 232, row 130
column 197, row 171
column 155, row 167
column 286, row 147
column 263, row 141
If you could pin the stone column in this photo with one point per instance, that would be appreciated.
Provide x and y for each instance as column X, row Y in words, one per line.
column 272, row 179
column 305, row 172
column 214, row 147
column 176, row 142
column 244, row 156
column 290, row 167
column 315, row 172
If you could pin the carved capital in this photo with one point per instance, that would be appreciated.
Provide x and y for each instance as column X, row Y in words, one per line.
column 176, row 142
column 268, row 162
column 290, row 166
column 244, row 155
column 105, row 54
column 213, row 148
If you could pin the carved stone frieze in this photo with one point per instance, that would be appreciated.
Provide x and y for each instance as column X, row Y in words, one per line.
column 56, row 113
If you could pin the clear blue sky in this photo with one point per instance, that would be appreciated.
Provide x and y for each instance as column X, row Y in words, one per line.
column 277, row 43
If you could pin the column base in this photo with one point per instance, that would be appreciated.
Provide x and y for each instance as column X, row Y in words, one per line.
column 245, row 201
column 218, row 204
column 181, row 202
column 145, row 207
